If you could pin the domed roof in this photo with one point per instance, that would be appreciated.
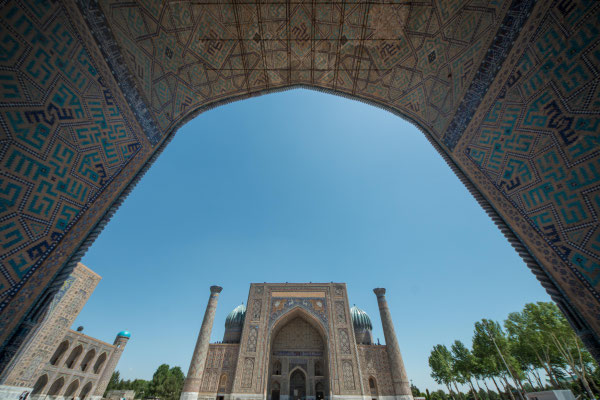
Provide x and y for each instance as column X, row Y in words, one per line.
column 360, row 319
column 124, row 334
column 235, row 319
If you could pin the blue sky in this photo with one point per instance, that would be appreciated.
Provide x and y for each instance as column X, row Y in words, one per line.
column 300, row 186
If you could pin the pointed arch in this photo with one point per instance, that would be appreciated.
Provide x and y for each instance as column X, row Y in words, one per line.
column 298, row 380
column 74, row 356
column 85, row 391
column 60, row 352
column 318, row 368
column 99, row 363
column 87, row 360
column 320, row 341
column 56, row 387
column 223, row 382
column 294, row 313
column 277, row 367
column 71, row 389
column 40, row 384
column 373, row 386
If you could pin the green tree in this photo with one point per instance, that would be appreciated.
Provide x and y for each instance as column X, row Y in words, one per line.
column 440, row 361
column 491, row 346
column 166, row 383
column 464, row 364
column 113, row 383
column 531, row 332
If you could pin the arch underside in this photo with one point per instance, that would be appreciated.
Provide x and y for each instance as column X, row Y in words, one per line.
column 506, row 91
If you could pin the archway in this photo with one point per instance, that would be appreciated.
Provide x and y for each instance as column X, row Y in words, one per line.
column 71, row 389
column 85, row 391
column 56, row 387
column 99, row 363
column 59, row 353
column 298, row 354
column 373, row 388
column 87, row 360
column 40, row 384
column 275, row 390
column 465, row 91
column 74, row 357
column 298, row 383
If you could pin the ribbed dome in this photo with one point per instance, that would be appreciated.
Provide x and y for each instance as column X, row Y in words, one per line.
column 235, row 319
column 124, row 334
column 360, row 319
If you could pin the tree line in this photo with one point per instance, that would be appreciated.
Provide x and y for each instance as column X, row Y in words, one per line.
column 166, row 384
column 517, row 357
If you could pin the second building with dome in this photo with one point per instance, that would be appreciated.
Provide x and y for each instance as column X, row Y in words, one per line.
column 297, row 341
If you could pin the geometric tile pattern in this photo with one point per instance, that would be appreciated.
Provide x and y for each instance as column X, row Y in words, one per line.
column 66, row 141
column 505, row 90
column 539, row 142
column 533, row 148
column 63, row 136
column 417, row 59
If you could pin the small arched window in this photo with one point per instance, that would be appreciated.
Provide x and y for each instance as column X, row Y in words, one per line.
column 70, row 392
column 318, row 368
column 56, row 387
column 60, row 351
column 373, row 386
column 277, row 368
column 99, row 363
column 70, row 363
column 223, row 381
column 85, row 391
column 87, row 360
column 40, row 384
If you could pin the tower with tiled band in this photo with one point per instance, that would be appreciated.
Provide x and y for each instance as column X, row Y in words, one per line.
column 119, row 343
column 191, row 386
column 399, row 378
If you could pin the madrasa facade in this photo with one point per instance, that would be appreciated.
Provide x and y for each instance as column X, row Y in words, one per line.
column 296, row 341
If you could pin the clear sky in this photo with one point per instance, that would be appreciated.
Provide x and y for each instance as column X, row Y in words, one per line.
column 300, row 186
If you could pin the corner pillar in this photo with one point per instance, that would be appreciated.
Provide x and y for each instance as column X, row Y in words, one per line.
column 399, row 378
column 191, row 386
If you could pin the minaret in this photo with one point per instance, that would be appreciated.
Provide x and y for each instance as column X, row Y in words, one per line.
column 399, row 377
column 119, row 343
column 191, row 386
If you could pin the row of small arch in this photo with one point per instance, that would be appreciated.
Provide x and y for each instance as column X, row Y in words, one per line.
column 277, row 368
column 276, row 386
column 74, row 357
column 56, row 388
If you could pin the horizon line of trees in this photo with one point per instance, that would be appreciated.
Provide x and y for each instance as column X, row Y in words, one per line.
column 535, row 342
column 166, row 384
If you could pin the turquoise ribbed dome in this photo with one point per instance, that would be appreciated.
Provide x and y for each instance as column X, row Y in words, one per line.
column 360, row 319
column 124, row 334
column 235, row 319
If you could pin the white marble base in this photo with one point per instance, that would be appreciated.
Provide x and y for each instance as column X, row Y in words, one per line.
column 188, row 396
column 14, row 392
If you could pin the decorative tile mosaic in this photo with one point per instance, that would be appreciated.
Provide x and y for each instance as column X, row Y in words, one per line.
column 506, row 92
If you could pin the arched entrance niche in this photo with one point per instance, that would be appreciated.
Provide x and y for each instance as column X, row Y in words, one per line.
column 521, row 135
column 298, row 384
column 298, row 358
